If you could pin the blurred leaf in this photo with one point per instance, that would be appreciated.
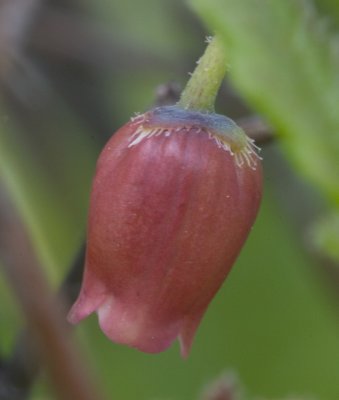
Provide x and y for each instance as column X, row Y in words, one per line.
column 9, row 317
column 285, row 62
column 324, row 236
column 165, row 33
column 48, row 178
column 330, row 9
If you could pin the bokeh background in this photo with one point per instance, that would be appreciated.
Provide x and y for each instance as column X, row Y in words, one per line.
column 72, row 72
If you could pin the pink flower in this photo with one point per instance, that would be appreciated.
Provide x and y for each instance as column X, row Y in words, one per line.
column 175, row 195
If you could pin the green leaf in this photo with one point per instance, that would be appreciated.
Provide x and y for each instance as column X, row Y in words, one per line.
column 286, row 64
column 48, row 177
column 9, row 316
column 324, row 236
column 329, row 8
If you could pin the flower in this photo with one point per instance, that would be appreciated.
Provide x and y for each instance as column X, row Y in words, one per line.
column 175, row 195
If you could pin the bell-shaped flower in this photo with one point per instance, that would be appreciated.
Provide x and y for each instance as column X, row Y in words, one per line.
column 175, row 195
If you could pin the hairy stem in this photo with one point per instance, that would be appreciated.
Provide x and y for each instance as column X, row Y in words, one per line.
column 202, row 88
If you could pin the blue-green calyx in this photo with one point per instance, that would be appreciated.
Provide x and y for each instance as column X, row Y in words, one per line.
column 225, row 132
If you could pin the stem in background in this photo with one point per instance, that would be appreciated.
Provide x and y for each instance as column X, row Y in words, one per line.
column 48, row 338
column 18, row 373
column 256, row 129
column 202, row 88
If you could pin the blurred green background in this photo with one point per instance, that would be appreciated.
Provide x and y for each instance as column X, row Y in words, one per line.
column 73, row 71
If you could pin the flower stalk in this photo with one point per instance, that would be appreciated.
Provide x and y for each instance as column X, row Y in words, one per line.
column 203, row 86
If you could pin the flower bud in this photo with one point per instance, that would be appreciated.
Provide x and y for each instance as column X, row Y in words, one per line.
column 174, row 197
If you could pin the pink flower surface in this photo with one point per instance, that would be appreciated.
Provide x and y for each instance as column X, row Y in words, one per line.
column 171, row 206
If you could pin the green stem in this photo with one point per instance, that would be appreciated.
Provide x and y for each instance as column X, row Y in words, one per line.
column 202, row 88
